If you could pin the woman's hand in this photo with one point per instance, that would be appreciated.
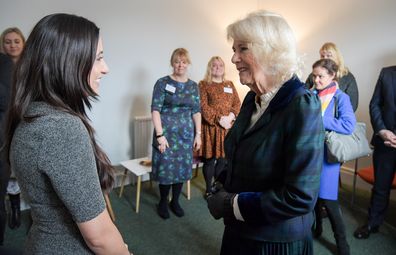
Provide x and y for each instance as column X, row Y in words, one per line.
column 197, row 142
column 226, row 121
column 162, row 144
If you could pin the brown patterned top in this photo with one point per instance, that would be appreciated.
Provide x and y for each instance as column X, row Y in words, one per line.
column 217, row 100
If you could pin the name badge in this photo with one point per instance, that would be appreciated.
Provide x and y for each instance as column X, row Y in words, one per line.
column 228, row 90
column 170, row 88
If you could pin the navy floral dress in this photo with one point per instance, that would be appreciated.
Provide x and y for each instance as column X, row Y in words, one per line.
column 176, row 102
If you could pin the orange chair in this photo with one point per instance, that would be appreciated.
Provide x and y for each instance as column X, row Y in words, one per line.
column 367, row 174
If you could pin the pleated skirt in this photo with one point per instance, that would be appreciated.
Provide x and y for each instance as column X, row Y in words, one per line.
column 235, row 245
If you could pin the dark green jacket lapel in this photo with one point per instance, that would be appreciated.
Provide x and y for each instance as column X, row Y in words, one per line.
column 284, row 96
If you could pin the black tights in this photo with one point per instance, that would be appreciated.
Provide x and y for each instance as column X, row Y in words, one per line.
column 176, row 190
column 336, row 221
column 212, row 168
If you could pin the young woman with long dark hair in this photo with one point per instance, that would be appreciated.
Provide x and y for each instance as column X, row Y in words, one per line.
column 51, row 144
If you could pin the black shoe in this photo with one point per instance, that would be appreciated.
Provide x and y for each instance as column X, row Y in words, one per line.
column 162, row 210
column 176, row 209
column 364, row 231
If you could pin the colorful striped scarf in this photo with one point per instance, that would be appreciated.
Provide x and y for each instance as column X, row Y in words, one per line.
column 327, row 94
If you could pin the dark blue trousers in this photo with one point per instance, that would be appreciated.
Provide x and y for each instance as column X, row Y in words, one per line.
column 384, row 160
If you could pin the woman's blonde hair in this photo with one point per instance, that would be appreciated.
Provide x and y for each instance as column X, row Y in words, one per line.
column 180, row 52
column 7, row 31
column 337, row 57
column 208, row 74
column 272, row 42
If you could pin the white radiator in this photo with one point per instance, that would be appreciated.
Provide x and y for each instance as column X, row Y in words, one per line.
column 141, row 147
column 142, row 136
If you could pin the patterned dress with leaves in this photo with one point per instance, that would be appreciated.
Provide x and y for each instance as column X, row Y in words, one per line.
column 176, row 102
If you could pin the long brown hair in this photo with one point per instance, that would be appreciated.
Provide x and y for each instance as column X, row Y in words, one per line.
column 54, row 68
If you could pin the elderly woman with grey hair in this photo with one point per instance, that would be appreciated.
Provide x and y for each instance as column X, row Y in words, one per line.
column 268, row 190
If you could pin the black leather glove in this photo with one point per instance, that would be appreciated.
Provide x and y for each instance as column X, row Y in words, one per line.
column 220, row 204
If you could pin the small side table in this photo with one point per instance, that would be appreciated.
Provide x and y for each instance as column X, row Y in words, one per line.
column 137, row 169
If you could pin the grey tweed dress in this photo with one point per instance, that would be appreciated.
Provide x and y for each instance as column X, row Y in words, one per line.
column 54, row 162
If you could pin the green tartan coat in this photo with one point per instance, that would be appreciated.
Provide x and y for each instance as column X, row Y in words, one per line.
column 275, row 166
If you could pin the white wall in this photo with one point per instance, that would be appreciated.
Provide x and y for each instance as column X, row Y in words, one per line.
column 139, row 37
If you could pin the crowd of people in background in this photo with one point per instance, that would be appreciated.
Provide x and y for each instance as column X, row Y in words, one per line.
column 265, row 167
column 345, row 79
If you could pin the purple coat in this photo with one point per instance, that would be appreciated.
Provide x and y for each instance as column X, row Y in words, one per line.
column 344, row 124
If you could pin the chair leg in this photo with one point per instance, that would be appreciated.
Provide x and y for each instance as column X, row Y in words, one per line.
column 354, row 181
column 109, row 208
column 339, row 180
column 188, row 190
column 196, row 170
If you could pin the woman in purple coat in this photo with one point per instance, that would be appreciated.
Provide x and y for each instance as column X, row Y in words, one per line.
column 338, row 117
